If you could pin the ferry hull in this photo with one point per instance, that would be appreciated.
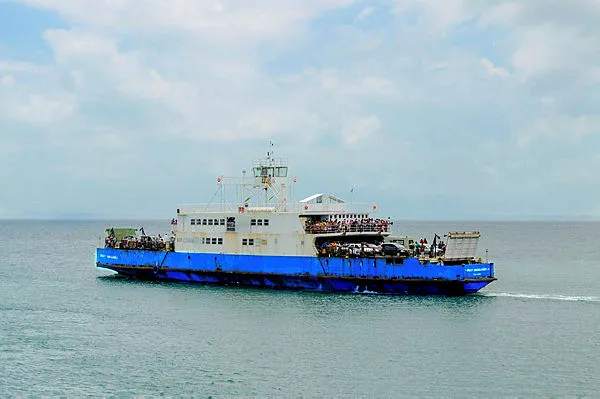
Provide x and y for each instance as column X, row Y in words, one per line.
column 367, row 275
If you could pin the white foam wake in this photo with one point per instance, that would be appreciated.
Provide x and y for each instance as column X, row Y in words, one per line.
column 550, row 297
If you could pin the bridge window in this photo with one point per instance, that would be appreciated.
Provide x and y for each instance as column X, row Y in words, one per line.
column 281, row 171
column 266, row 222
column 259, row 222
column 222, row 222
column 253, row 222
column 230, row 224
column 244, row 241
column 210, row 222
column 220, row 241
column 214, row 241
column 193, row 222
column 204, row 222
column 250, row 241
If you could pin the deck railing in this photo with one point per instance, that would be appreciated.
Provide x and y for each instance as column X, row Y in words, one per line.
column 348, row 229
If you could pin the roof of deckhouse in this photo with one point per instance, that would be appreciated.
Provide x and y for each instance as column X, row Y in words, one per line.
column 322, row 198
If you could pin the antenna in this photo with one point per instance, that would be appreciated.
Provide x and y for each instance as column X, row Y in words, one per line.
column 270, row 158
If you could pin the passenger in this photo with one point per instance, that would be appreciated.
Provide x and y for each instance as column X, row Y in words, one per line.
column 348, row 225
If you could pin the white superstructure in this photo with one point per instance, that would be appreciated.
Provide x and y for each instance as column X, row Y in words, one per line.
column 265, row 220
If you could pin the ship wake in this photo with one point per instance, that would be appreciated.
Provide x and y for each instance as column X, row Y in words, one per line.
column 547, row 297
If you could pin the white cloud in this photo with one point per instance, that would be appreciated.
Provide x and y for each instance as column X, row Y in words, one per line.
column 7, row 80
column 340, row 84
column 494, row 70
column 38, row 109
column 12, row 66
column 438, row 66
column 365, row 13
column 377, row 86
column 564, row 129
column 135, row 81
column 88, row 57
column 438, row 15
column 505, row 12
column 547, row 48
column 360, row 129
column 547, row 101
column 233, row 19
column 73, row 44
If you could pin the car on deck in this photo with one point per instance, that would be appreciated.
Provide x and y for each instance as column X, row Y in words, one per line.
column 392, row 248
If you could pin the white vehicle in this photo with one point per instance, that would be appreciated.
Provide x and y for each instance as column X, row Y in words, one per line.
column 372, row 248
column 361, row 248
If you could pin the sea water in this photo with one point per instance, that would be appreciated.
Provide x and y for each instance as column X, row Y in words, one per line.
column 67, row 328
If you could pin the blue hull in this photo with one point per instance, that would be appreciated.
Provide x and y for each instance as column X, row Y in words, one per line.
column 380, row 275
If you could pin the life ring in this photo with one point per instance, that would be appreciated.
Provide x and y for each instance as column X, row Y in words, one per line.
column 155, row 269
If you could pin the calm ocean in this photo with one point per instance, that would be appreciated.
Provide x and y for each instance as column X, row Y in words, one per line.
column 69, row 329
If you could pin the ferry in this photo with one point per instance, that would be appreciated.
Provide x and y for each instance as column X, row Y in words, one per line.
column 257, row 235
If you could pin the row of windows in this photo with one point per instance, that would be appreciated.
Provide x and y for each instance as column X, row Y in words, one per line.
column 349, row 216
column 207, row 222
column 280, row 171
column 213, row 241
column 259, row 222
column 252, row 241
column 219, row 241
column 191, row 240
column 221, row 222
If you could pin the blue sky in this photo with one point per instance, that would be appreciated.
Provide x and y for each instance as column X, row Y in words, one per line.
column 455, row 109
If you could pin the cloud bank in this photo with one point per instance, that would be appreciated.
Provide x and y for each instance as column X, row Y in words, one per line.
column 445, row 110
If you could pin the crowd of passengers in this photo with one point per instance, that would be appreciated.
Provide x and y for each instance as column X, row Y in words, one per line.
column 341, row 226
column 360, row 250
column 422, row 248
column 150, row 243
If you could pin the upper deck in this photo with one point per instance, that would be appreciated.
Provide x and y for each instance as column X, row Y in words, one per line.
column 260, row 207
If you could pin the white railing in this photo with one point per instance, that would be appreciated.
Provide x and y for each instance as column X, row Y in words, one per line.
column 347, row 208
column 337, row 210
column 207, row 208
column 270, row 162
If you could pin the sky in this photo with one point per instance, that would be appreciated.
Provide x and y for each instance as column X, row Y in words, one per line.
column 431, row 109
